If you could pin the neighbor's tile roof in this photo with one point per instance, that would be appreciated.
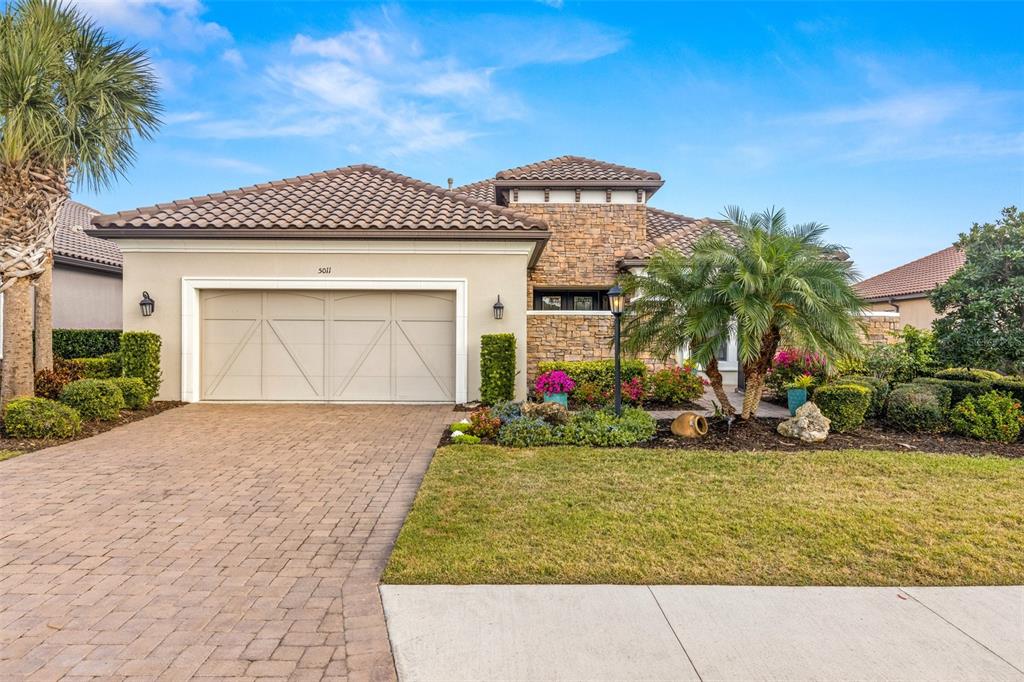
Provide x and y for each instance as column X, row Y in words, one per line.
column 667, row 229
column 916, row 277
column 72, row 241
column 578, row 169
column 350, row 201
column 481, row 191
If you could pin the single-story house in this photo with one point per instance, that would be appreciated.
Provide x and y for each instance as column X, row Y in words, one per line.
column 86, row 273
column 905, row 289
column 362, row 285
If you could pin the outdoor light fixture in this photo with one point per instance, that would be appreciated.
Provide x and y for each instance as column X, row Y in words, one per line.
column 499, row 309
column 616, row 301
column 147, row 304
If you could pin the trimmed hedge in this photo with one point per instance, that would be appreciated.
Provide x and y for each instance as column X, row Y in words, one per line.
column 598, row 373
column 966, row 374
column 958, row 389
column 992, row 416
column 85, row 343
column 40, row 418
column 879, row 392
column 135, row 392
column 1012, row 385
column 918, row 407
column 844, row 404
column 497, row 368
column 94, row 398
column 97, row 368
column 140, row 357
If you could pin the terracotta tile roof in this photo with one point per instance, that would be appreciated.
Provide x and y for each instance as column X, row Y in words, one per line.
column 354, row 201
column 71, row 242
column 483, row 190
column 916, row 277
column 578, row 169
column 680, row 232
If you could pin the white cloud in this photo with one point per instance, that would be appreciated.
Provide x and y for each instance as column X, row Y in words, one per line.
column 233, row 57
column 359, row 45
column 329, row 83
column 183, row 117
column 225, row 162
column 459, row 83
column 175, row 23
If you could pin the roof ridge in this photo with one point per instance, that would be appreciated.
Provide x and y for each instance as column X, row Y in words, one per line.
column 912, row 262
column 537, row 165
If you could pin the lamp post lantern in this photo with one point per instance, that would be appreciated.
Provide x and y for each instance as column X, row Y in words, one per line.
column 617, row 301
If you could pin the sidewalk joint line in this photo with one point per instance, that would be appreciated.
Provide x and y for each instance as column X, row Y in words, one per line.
column 959, row 629
column 674, row 633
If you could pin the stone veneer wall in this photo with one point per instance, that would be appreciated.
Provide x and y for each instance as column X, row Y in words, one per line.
column 881, row 329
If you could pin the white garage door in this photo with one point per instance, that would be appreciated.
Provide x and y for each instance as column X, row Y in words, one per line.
column 328, row 346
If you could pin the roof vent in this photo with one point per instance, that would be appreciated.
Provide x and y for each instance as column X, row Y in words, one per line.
column 451, row 181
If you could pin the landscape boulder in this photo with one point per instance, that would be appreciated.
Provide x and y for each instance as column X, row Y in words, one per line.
column 552, row 413
column 809, row 425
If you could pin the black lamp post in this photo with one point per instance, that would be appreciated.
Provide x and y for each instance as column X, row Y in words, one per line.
column 617, row 301
column 147, row 304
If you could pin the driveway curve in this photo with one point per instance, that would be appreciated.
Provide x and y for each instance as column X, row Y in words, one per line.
column 211, row 540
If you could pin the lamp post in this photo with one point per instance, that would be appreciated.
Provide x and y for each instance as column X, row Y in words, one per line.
column 616, row 301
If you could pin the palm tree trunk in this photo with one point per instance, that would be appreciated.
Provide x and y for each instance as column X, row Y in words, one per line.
column 18, row 377
column 44, row 316
column 715, row 379
column 752, row 394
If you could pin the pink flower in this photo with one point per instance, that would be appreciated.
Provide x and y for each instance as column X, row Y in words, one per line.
column 555, row 381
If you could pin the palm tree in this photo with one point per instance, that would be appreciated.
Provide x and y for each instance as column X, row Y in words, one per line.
column 72, row 101
column 772, row 282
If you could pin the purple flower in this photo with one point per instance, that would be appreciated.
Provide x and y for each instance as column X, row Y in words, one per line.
column 555, row 381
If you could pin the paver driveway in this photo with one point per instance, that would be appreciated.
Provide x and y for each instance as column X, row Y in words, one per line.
column 210, row 540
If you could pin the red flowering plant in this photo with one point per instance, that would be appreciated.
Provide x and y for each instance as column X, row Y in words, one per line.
column 633, row 391
column 791, row 363
column 555, row 381
column 676, row 385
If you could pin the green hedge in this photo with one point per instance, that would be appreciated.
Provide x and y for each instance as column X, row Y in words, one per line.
column 497, row 368
column 992, row 416
column 958, row 389
column 845, row 404
column 879, row 392
column 918, row 407
column 1012, row 385
column 599, row 373
column 135, row 392
column 140, row 357
column 40, row 418
column 966, row 374
column 96, row 368
column 94, row 398
column 85, row 343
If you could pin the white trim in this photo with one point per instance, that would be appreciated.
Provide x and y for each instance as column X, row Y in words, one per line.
column 487, row 247
column 578, row 313
column 191, row 318
column 879, row 313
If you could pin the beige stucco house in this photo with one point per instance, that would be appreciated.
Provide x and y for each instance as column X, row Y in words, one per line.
column 905, row 289
column 363, row 285
column 86, row 273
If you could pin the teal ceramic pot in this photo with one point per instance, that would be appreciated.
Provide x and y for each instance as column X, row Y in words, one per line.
column 795, row 397
column 560, row 398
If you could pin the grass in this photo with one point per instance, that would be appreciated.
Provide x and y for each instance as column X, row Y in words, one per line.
column 492, row 515
column 10, row 454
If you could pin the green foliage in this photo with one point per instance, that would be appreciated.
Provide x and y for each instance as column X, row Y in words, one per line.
column 966, row 374
column 676, row 385
column 844, row 404
column 50, row 383
column 525, row 433
column 40, row 418
column 602, row 428
column 1012, row 385
column 983, row 302
column 96, row 368
column 920, row 347
column 140, row 357
column 599, row 373
column 803, row 382
column 918, row 407
column 483, row 423
column 136, row 393
column 913, row 355
column 466, row 439
column 958, row 390
column 85, row 343
column 497, row 368
column 94, row 399
column 507, row 410
column 991, row 416
column 879, row 392
column 789, row 364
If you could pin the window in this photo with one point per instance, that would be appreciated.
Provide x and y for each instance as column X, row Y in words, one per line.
column 589, row 299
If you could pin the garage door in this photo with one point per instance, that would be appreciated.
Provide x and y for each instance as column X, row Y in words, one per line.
column 328, row 346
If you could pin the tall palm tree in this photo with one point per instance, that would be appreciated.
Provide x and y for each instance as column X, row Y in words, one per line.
column 772, row 282
column 72, row 102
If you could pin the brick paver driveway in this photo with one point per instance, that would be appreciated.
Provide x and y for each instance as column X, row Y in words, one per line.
column 212, row 540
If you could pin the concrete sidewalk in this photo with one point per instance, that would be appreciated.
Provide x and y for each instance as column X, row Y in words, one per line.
column 610, row 632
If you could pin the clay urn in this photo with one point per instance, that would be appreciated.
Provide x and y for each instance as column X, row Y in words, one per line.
column 690, row 425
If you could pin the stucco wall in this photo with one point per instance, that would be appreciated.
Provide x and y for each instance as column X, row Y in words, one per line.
column 491, row 269
column 914, row 312
column 86, row 299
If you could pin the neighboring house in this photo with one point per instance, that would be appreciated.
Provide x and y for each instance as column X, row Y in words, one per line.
column 359, row 284
column 86, row 273
column 905, row 289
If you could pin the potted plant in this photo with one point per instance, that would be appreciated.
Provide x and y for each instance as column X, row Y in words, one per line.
column 796, row 392
column 556, row 386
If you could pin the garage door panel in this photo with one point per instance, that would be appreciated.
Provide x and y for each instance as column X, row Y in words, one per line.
column 295, row 306
column 231, row 359
column 233, row 305
column 293, row 359
column 355, row 305
column 432, row 305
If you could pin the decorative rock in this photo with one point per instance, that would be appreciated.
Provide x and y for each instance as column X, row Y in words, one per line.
column 809, row 425
column 552, row 413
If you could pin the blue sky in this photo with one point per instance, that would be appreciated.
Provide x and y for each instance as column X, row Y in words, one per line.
column 895, row 124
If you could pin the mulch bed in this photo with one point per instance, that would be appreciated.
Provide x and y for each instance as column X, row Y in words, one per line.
column 90, row 428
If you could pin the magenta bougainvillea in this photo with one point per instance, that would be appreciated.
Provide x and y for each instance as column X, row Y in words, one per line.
column 555, row 381
column 790, row 363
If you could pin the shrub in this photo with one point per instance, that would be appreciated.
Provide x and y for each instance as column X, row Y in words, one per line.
column 1012, row 385
column 591, row 394
column 918, row 407
column 40, row 418
column 598, row 372
column 879, row 392
column 50, row 383
column 524, row 433
column 497, row 368
column 844, row 404
column 135, row 392
column 991, row 416
column 465, row 439
column 554, row 381
column 633, row 391
column 96, row 368
column 94, row 398
column 85, row 343
column 140, row 357
column 891, row 363
column 507, row 410
column 676, row 385
column 966, row 374
column 790, row 363
column 958, row 390
column 483, row 424
column 602, row 428
column 460, row 426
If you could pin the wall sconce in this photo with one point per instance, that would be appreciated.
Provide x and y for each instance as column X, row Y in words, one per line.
column 147, row 304
column 499, row 309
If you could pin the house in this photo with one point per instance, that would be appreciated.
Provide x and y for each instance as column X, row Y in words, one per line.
column 86, row 273
column 359, row 284
column 905, row 289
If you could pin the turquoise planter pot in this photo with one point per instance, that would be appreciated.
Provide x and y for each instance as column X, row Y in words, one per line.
column 795, row 397
column 560, row 398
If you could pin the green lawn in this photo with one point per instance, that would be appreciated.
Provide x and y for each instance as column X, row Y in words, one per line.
column 10, row 454
column 576, row 515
